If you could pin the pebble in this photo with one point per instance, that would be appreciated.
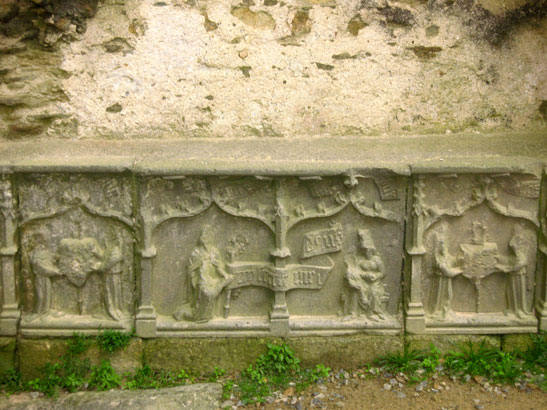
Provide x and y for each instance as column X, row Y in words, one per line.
column 227, row 403
column 324, row 388
column 421, row 386
column 393, row 382
column 340, row 404
column 317, row 403
column 387, row 386
column 34, row 394
column 400, row 395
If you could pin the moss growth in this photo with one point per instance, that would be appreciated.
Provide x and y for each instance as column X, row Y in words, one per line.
column 355, row 25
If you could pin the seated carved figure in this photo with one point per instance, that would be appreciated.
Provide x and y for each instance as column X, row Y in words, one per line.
column 364, row 276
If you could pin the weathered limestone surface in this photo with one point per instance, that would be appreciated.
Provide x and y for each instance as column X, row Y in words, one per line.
column 473, row 253
column 7, row 353
column 203, row 354
column 227, row 68
column 195, row 396
column 516, row 342
column 77, row 253
column 34, row 354
column 257, row 238
column 451, row 343
column 357, row 349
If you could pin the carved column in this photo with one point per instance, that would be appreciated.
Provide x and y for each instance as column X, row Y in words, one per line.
column 145, row 324
column 415, row 315
column 10, row 313
column 279, row 317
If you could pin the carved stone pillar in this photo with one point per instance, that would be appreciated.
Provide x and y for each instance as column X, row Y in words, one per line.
column 9, row 312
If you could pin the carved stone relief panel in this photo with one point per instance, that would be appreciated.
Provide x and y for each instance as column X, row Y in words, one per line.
column 473, row 251
column 9, row 310
column 210, row 239
column 346, row 238
column 262, row 255
column 77, row 237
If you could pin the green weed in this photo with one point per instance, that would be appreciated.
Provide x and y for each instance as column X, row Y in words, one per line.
column 146, row 378
column 111, row 340
column 274, row 371
column 104, row 377
column 11, row 381
column 408, row 361
column 217, row 373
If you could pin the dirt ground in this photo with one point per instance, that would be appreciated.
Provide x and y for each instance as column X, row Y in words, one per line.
column 440, row 394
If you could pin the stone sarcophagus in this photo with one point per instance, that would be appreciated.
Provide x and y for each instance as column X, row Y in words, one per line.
column 77, row 237
column 471, row 242
column 271, row 255
column 191, row 241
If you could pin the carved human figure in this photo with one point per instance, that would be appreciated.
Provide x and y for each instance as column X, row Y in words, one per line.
column 445, row 266
column 76, row 260
column 112, row 270
column 515, row 266
column 44, row 267
column 208, row 277
column 364, row 276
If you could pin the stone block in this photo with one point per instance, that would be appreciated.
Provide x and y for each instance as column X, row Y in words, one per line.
column 256, row 256
column 123, row 360
column 516, row 342
column 472, row 250
column 448, row 343
column 344, row 352
column 77, row 253
column 201, row 355
column 202, row 396
column 7, row 353
column 34, row 354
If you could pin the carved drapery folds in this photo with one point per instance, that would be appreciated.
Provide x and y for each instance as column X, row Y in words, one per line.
column 77, row 253
column 473, row 253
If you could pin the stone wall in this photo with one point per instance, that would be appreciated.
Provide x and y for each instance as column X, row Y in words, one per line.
column 119, row 69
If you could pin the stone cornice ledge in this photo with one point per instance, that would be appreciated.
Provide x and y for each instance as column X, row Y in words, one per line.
column 510, row 152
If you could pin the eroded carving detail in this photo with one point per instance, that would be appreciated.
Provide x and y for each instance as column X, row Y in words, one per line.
column 364, row 276
column 9, row 311
column 498, row 213
column 76, row 260
column 77, row 252
column 208, row 277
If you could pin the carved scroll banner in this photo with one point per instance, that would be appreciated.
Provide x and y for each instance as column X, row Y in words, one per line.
column 323, row 241
column 77, row 254
column 472, row 244
column 254, row 255
column 278, row 279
